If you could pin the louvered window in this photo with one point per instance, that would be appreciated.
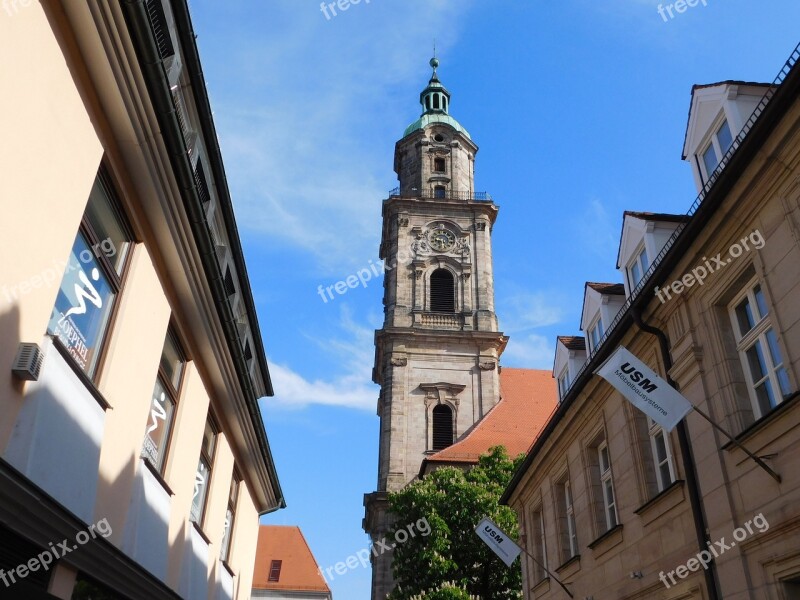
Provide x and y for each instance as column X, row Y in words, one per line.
column 443, row 291
column 442, row 427
column 158, row 21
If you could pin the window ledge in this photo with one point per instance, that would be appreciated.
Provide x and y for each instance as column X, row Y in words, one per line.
column 665, row 500
column 158, row 476
column 85, row 379
column 541, row 587
column 608, row 540
column 228, row 567
column 764, row 421
column 197, row 528
column 571, row 566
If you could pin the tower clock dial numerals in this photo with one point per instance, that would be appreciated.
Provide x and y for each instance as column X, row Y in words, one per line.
column 441, row 239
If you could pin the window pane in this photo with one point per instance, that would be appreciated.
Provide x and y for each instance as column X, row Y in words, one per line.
column 760, row 302
column 604, row 463
column 755, row 358
column 744, row 317
column 724, row 137
column 666, row 476
column 644, row 260
column 774, row 350
column 209, row 438
column 106, row 225
column 636, row 274
column 158, row 426
column 226, row 535
column 783, row 381
column 200, row 490
column 172, row 361
column 82, row 307
column 766, row 399
column 661, row 447
column 710, row 160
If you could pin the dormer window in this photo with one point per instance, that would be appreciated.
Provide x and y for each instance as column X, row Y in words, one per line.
column 638, row 267
column 720, row 142
column 596, row 333
column 563, row 383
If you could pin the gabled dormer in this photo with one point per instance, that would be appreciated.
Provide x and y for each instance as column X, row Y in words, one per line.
column 570, row 357
column 643, row 236
column 601, row 303
column 717, row 113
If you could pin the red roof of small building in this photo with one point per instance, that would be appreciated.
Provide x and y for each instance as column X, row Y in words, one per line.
column 527, row 399
column 299, row 570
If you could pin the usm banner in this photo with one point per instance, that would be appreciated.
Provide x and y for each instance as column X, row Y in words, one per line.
column 644, row 389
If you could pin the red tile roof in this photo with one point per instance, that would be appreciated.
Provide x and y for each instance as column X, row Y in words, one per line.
column 527, row 399
column 299, row 569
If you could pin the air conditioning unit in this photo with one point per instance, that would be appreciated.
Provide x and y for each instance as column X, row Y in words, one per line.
column 28, row 362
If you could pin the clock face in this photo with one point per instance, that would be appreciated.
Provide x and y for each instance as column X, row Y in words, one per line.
column 441, row 239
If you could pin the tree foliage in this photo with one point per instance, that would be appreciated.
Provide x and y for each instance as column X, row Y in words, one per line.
column 453, row 502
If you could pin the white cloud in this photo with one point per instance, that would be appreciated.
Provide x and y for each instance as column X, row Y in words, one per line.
column 527, row 310
column 530, row 351
column 309, row 161
column 354, row 353
column 597, row 231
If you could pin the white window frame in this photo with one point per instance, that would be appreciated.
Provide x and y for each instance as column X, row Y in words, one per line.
column 655, row 431
column 607, row 487
column 640, row 264
column 569, row 510
column 714, row 141
column 596, row 324
column 758, row 335
column 563, row 382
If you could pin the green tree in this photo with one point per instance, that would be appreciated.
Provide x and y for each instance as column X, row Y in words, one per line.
column 453, row 502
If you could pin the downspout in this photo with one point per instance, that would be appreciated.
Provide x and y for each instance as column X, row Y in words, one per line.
column 155, row 77
column 695, row 500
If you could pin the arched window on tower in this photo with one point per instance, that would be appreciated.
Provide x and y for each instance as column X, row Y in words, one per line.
column 436, row 101
column 443, row 291
column 442, row 427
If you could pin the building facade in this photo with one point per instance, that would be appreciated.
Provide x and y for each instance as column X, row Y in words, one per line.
column 130, row 427
column 611, row 504
column 437, row 354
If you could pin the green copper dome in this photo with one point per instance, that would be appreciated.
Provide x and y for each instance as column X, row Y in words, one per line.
column 435, row 100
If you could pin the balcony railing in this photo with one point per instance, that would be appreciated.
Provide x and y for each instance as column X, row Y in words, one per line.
column 440, row 320
column 435, row 194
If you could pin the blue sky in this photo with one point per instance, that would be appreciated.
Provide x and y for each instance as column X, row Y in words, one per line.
column 579, row 109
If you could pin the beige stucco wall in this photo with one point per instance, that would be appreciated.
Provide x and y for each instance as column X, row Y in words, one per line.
column 52, row 126
column 44, row 122
column 709, row 373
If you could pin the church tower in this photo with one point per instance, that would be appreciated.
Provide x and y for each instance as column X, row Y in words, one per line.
column 436, row 357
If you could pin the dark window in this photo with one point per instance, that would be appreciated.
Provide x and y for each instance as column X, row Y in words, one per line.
column 275, row 570
column 248, row 354
column 436, row 101
column 202, row 183
column 202, row 478
column 439, row 191
column 230, row 517
column 443, row 292
column 92, row 279
column 438, row 165
column 230, row 288
column 164, row 401
column 442, row 427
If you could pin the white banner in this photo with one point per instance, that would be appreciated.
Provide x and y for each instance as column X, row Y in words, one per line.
column 498, row 540
column 644, row 389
